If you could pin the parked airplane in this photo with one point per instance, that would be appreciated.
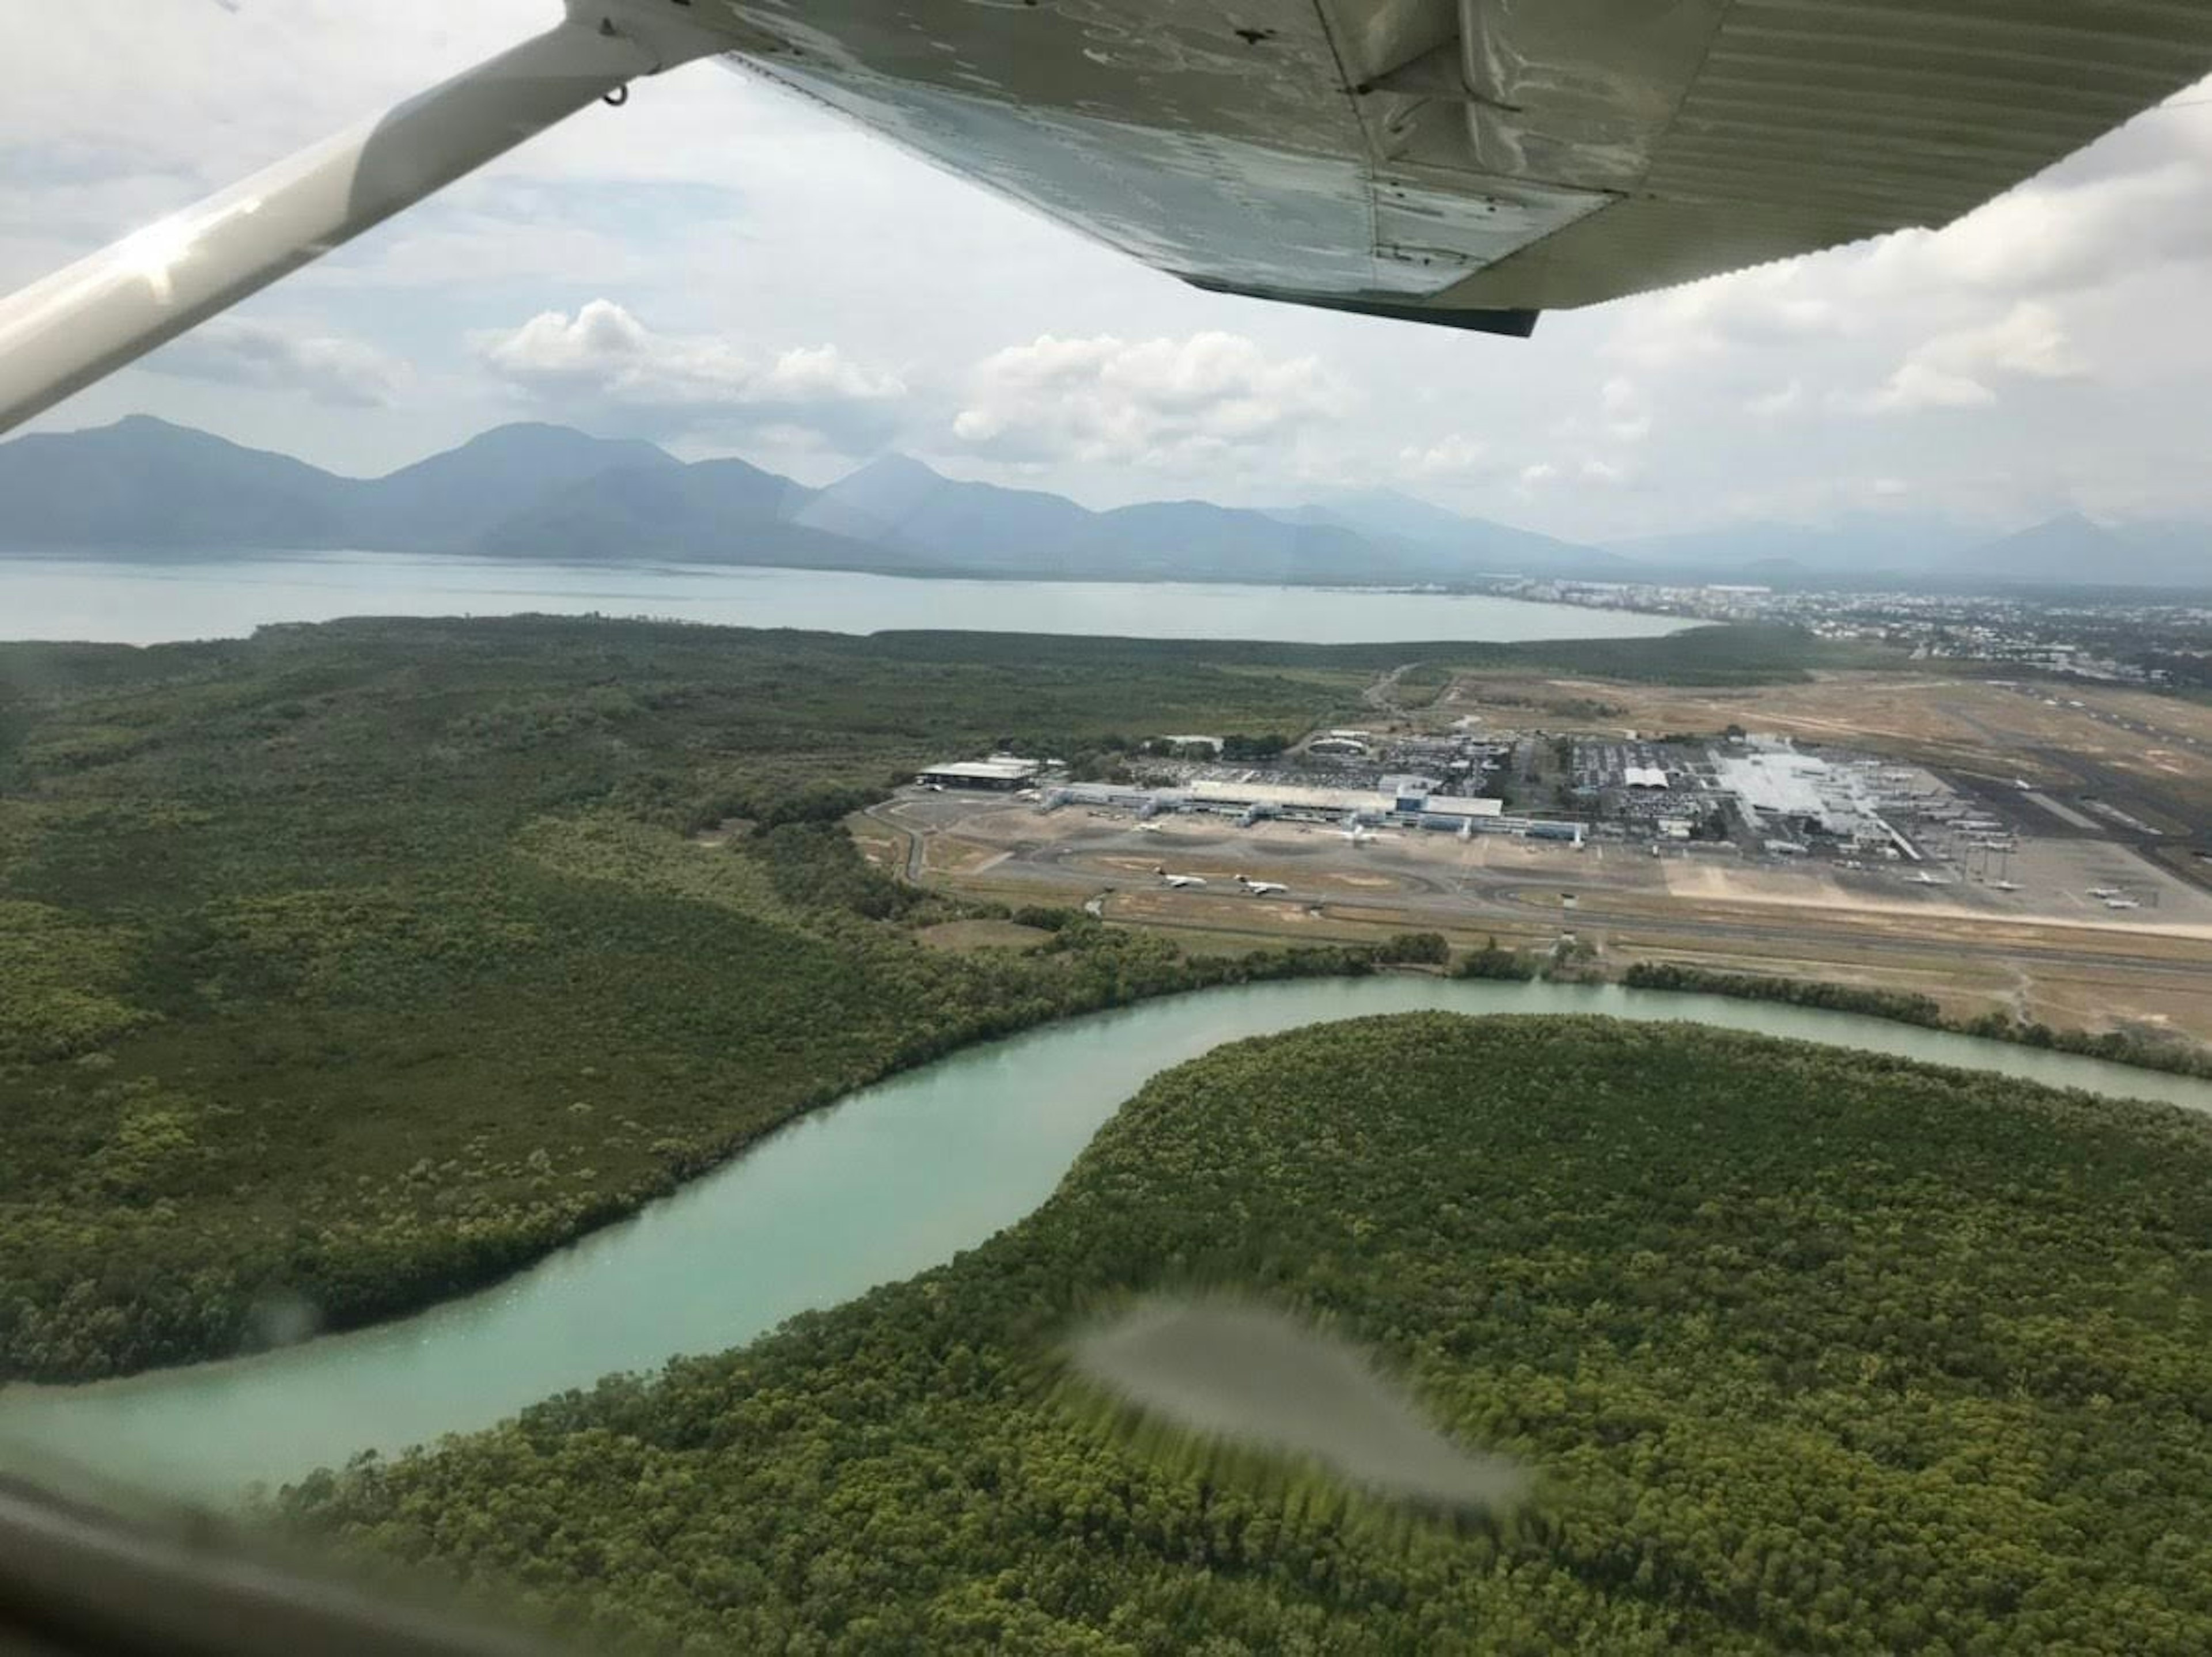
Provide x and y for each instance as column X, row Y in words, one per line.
column 2005, row 885
column 1179, row 881
column 1260, row 887
column 2122, row 903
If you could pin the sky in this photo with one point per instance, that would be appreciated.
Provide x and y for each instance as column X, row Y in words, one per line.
column 724, row 269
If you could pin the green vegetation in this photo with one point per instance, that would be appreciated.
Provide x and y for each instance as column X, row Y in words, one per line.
column 1493, row 960
column 1415, row 950
column 1810, row 1352
column 2179, row 1055
column 1900, row 1004
column 1420, row 684
column 359, row 964
column 1751, row 654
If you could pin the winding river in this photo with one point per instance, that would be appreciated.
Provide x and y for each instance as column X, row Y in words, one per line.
column 888, row 1182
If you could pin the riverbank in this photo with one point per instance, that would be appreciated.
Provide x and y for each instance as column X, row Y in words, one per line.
column 2177, row 1057
column 890, row 1181
column 1803, row 1350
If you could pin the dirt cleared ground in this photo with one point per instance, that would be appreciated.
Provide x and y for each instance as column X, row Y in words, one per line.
column 2058, row 881
column 964, row 935
column 2153, row 752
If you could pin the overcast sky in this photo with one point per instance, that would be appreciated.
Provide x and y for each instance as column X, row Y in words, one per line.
column 726, row 270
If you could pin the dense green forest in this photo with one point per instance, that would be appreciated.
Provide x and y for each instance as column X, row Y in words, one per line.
column 1749, row 653
column 355, row 964
column 1807, row 1351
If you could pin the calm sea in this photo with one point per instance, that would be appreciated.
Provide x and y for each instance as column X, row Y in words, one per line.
column 154, row 600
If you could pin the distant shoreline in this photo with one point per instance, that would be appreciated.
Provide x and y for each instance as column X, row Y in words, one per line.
column 700, row 564
column 1483, row 585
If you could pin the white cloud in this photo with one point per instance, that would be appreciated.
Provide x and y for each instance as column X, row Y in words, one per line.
column 1781, row 400
column 1769, row 306
column 1456, row 455
column 2045, row 238
column 602, row 352
column 1914, row 386
column 1951, row 371
column 1626, row 414
column 235, row 351
column 1535, row 477
column 1148, row 402
column 2028, row 340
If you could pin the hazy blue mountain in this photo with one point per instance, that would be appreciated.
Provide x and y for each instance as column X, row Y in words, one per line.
column 711, row 512
column 451, row 500
column 2072, row 550
column 2181, row 553
column 1196, row 540
column 519, row 491
column 1383, row 512
column 531, row 490
column 1443, row 545
column 1859, row 543
column 145, row 484
column 897, row 502
column 548, row 492
column 900, row 504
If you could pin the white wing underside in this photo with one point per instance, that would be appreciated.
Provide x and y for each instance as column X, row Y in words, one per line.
column 1463, row 162
column 1483, row 155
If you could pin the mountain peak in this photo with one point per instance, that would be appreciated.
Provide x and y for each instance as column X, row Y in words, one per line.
column 893, row 467
column 527, row 441
column 146, row 422
column 2068, row 550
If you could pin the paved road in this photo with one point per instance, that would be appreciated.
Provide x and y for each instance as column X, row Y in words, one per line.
column 883, row 814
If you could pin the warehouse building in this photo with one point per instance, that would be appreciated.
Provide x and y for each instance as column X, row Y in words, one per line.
column 1000, row 771
column 1786, row 793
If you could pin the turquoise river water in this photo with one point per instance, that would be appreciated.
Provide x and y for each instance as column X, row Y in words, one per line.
column 890, row 1181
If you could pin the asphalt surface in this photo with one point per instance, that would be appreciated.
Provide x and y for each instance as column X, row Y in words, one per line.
column 1472, row 896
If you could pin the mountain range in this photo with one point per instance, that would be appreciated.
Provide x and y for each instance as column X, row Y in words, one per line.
column 545, row 492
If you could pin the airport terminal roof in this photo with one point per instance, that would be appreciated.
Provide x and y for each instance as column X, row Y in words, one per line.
column 1290, row 795
column 1465, row 805
column 998, row 770
column 1298, row 798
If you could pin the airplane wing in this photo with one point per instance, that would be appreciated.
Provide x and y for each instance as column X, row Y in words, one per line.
column 1468, row 162
column 1475, row 161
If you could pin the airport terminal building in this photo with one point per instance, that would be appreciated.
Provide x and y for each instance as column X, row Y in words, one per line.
column 1404, row 802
